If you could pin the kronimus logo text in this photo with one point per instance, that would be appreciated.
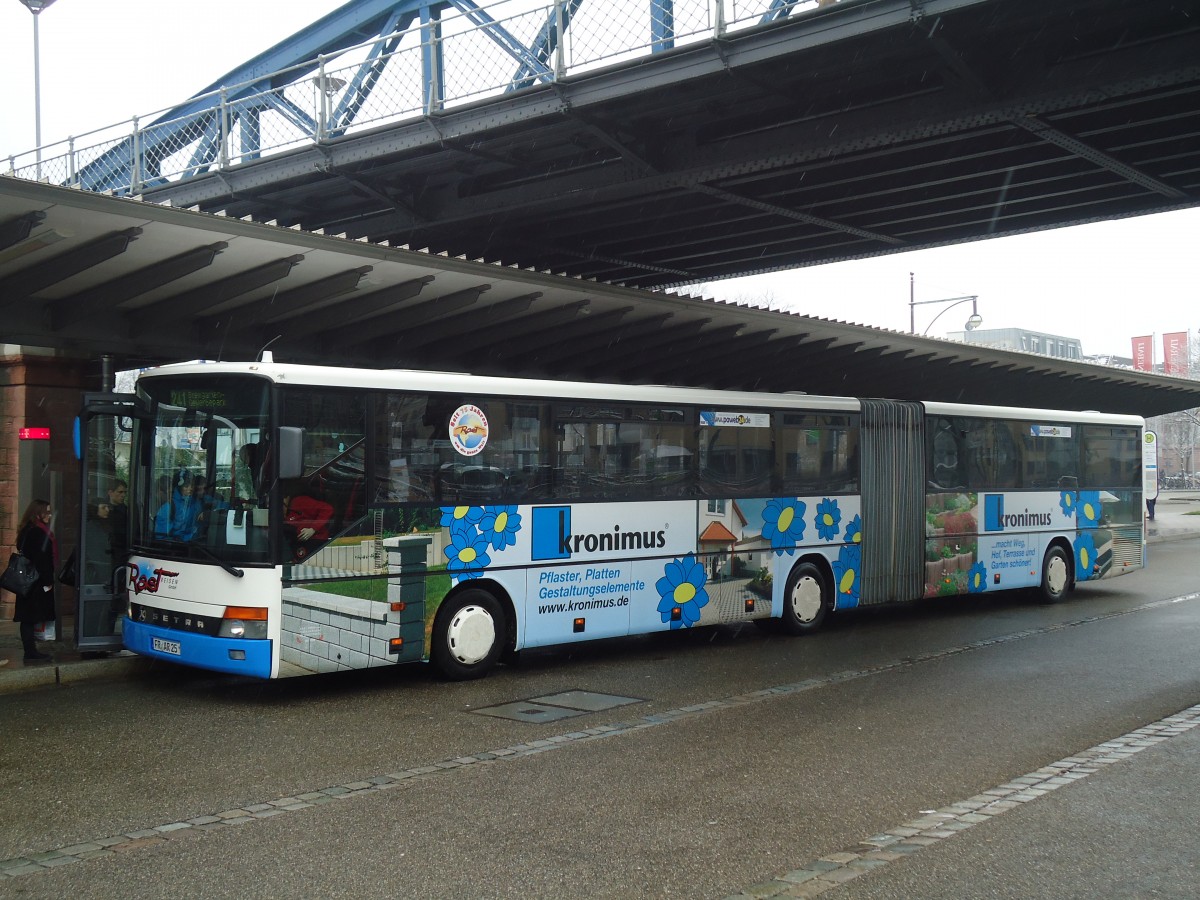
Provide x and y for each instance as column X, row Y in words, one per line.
column 996, row 519
column 554, row 539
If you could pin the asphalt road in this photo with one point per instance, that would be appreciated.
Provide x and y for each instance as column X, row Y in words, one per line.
column 745, row 758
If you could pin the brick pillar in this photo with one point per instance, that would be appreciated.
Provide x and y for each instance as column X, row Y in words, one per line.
column 41, row 390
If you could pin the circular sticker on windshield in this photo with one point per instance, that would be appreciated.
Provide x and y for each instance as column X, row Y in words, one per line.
column 468, row 430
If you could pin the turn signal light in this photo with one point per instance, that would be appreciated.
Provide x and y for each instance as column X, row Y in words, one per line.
column 255, row 613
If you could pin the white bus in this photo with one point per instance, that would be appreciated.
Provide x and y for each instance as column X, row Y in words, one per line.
column 289, row 519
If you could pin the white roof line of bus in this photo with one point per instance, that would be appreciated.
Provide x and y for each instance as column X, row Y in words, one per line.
column 382, row 379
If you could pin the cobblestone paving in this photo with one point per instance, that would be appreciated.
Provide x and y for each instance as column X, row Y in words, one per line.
column 813, row 878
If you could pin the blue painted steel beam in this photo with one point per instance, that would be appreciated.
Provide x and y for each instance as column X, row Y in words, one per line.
column 353, row 23
column 779, row 9
column 501, row 35
column 662, row 24
column 547, row 43
column 235, row 102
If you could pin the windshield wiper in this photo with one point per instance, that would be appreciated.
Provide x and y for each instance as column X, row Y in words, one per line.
column 228, row 567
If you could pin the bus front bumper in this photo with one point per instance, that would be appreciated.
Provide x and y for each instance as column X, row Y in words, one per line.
column 236, row 656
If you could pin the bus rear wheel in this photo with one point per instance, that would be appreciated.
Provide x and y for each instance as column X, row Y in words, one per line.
column 805, row 600
column 468, row 635
column 1056, row 575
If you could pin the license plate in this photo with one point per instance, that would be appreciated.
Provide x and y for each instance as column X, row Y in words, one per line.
column 162, row 646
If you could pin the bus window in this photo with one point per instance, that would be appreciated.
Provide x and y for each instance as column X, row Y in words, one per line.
column 184, row 493
column 946, row 455
column 406, row 459
column 618, row 451
column 418, row 461
column 1051, row 456
column 817, row 454
column 1111, row 457
column 735, row 453
column 507, row 469
column 993, row 454
column 334, row 424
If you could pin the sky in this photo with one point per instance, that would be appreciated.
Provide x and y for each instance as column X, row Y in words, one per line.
column 104, row 61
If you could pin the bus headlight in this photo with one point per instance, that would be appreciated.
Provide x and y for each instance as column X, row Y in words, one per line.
column 248, row 622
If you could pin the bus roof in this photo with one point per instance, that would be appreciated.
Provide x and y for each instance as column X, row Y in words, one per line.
column 461, row 382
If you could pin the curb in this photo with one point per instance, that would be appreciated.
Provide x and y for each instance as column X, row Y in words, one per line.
column 29, row 677
column 1174, row 535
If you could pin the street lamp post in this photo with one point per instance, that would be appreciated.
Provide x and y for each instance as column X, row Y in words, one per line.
column 36, row 7
column 971, row 324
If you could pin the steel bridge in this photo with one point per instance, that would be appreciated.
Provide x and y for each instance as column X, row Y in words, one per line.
column 654, row 143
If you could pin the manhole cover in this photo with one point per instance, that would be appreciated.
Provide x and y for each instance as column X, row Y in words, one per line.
column 563, row 705
column 586, row 700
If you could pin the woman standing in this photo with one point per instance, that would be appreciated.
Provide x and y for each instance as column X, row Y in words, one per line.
column 36, row 542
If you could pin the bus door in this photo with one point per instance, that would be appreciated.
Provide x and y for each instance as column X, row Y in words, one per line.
column 103, row 438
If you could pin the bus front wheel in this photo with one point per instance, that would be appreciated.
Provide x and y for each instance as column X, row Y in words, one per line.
column 1056, row 575
column 805, row 600
column 468, row 635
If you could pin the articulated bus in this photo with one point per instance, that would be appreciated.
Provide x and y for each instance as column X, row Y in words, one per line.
column 288, row 519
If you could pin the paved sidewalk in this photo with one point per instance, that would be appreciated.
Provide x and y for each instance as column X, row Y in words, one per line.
column 67, row 664
column 1176, row 517
column 1172, row 522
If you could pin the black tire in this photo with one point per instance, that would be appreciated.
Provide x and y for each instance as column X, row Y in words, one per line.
column 1056, row 575
column 806, row 600
column 469, row 634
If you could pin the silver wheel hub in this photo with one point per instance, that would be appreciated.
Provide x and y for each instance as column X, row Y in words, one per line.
column 1056, row 575
column 471, row 635
column 806, row 599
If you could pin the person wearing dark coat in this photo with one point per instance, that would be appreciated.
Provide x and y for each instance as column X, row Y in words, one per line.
column 36, row 542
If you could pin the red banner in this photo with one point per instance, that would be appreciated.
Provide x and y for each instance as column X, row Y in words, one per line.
column 1143, row 353
column 1175, row 353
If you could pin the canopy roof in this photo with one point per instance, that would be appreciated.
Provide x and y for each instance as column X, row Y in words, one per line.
column 90, row 274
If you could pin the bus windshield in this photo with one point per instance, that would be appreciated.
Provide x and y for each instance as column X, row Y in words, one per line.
column 205, row 475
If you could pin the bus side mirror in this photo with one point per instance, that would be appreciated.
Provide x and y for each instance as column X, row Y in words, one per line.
column 291, row 452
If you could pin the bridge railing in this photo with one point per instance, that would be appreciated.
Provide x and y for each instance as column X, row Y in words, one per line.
column 504, row 47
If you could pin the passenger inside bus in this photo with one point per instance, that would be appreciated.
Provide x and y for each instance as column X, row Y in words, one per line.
column 305, row 520
column 177, row 519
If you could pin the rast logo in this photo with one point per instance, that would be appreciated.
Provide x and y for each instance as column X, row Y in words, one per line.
column 148, row 583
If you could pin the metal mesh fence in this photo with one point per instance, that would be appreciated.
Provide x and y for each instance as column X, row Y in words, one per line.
column 502, row 47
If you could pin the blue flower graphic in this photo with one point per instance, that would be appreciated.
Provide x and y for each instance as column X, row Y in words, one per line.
column 846, row 577
column 854, row 531
column 828, row 519
column 1085, row 555
column 977, row 579
column 1067, row 501
column 682, row 588
column 783, row 524
column 1089, row 510
column 460, row 516
column 500, row 525
column 467, row 553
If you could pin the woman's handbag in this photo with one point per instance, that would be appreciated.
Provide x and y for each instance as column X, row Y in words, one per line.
column 67, row 574
column 20, row 575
